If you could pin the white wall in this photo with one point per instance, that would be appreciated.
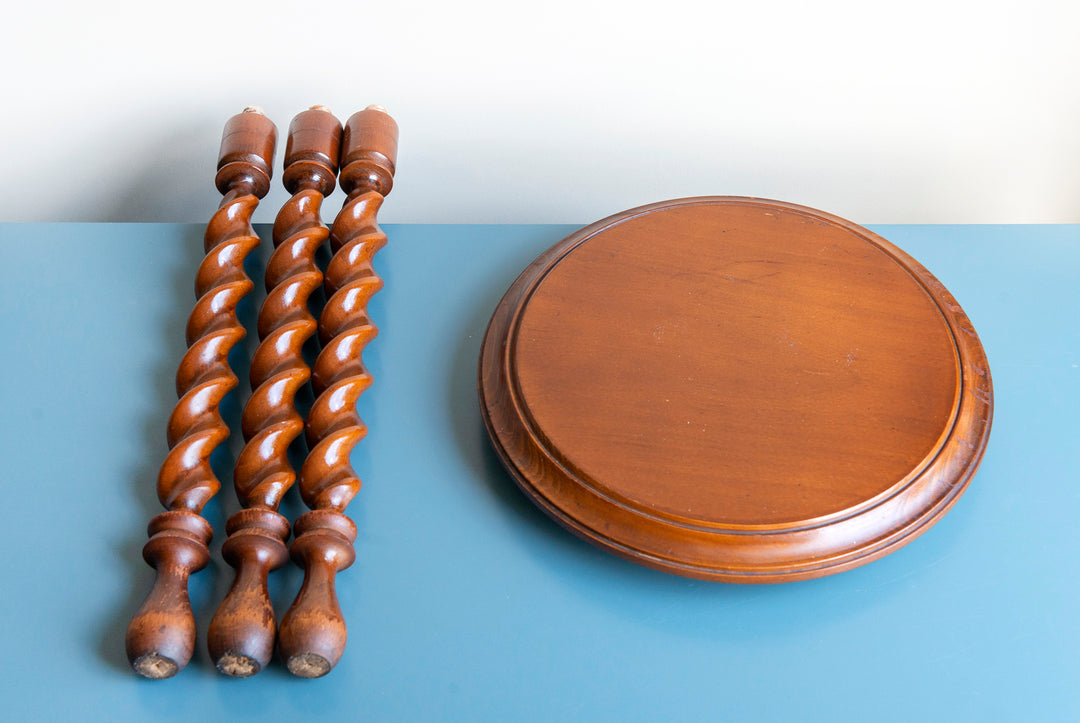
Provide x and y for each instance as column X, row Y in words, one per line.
column 920, row 111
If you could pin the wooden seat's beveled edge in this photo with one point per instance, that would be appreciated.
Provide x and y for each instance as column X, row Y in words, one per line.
column 728, row 552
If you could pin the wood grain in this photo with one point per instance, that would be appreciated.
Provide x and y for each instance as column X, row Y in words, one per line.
column 313, row 633
column 242, row 633
column 735, row 389
column 161, row 636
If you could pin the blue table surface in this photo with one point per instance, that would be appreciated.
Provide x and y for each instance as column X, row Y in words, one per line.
column 466, row 602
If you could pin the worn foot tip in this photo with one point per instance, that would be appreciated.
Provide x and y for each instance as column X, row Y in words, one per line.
column 235, row 665
column 155, row 666
column 309, row 665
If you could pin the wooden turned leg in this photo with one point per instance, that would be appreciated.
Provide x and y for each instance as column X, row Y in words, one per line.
column 161, row 636
column 312, row 635
column 241, row 635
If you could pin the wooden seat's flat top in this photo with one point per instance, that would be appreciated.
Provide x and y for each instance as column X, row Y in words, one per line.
column 734, row 364
column 728, row 365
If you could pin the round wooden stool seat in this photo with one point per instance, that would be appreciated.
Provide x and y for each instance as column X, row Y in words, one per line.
column 735, row 389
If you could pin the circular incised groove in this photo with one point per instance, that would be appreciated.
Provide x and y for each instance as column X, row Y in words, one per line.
column 259, row 520
column 329, row 520
column 183, row 523
column 735, row 389
column 255, row 546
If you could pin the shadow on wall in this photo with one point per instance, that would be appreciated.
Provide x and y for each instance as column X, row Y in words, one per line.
column 172, row 180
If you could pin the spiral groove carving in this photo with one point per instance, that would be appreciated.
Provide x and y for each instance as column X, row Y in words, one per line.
column 241, row 635
column 242, row 632
column 270, row 421
column 339, row 377
column 161, row 636
column 313, row 632
column 195, row 430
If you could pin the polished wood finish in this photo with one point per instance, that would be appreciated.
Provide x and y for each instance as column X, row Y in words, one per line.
column 161, row 636
column 242, row 634
column 736, row 389
column 313, row 633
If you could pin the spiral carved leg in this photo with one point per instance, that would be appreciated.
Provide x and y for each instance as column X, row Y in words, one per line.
column 241, row 635
column 161, row 637
column 313, row 632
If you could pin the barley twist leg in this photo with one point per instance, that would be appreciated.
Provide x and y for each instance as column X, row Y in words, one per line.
column 312, row 635
column 161, row 636
column 241, row 635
